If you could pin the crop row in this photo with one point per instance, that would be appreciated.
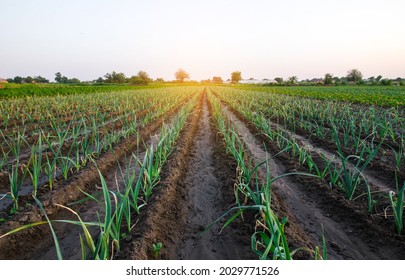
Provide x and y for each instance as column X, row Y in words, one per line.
column 372, row 95
column 269, row 240
column 27, row 90
column 120, row 208
column 346, row 172
column 70, row 147
column 360, row 129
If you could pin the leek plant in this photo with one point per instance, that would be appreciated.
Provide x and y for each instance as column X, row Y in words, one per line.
column 269, row 239
column 397, row 204
column 351, row 174
column 16, row 176
column 36, row 164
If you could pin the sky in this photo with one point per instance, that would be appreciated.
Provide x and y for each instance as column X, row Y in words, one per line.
column 263, row 39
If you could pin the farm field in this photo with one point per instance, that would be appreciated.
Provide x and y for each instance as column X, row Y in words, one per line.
column 203, row 172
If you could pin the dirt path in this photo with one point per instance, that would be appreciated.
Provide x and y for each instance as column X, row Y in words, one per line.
column 311, row 209
column 196, row 190
column 208, row 197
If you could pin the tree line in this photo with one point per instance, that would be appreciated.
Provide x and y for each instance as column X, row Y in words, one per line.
column 354, row 76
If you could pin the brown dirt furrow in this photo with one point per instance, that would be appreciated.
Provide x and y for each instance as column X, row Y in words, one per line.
column 195, row 190
column 351, row 234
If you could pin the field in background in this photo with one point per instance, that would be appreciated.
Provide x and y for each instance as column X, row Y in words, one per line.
column 386, row 96
column 202, row 172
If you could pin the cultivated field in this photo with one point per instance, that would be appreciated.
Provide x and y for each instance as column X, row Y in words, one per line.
column 196, row 172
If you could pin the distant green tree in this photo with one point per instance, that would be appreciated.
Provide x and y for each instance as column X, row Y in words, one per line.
column 58, row 77
column 29, row 80
column 328, row 80
column 354, row 75
column 371, row 80
column 236, row 77
column 378, row 79
column 144, row 76
column 41, row 80
column 141, row 79
column 336, row 79
column 386, row 82
column 73, row 81
column 18, row 79
column 10, row 80
column 65, row 80
column 114, row 77
column 160, row 80
column 279, row 80
column 100, row 80
column 181, row 75
column 293, row 80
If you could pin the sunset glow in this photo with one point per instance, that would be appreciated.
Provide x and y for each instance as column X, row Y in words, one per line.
column 263, row 39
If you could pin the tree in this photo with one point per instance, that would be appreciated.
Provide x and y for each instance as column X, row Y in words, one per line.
column 29, row 80
column 100, row 80
column 371, row 79
column 58, row 77
column 42, row 80
column 61, row 79
column 181, row 75
column 292, row 80
column 328, row 80
column 65, row 80
column 236, row 77
column 18, row 79
column 114, row 77
column 141, row 79
column 217, row 80
column 386, row 82
column 160, row 80
column 279, row 80
column 354, row 75
column 73, row 81
column 144, row 77
column 378, row 79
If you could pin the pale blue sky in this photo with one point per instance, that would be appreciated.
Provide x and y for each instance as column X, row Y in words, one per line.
column 262, row 39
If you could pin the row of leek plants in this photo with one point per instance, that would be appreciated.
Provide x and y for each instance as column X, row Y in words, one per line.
column 357, row 127
column 346, row 172
column 36, row 111
column 50, row 158
column 269, row 239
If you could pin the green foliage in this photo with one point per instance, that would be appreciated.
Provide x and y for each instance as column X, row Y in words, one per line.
column 373, row 95
column 328, row 80
column 156, row 247
column 57, row 90
column 115, row 78
column 354, row 75
column 141, row 79
column 397, row 204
